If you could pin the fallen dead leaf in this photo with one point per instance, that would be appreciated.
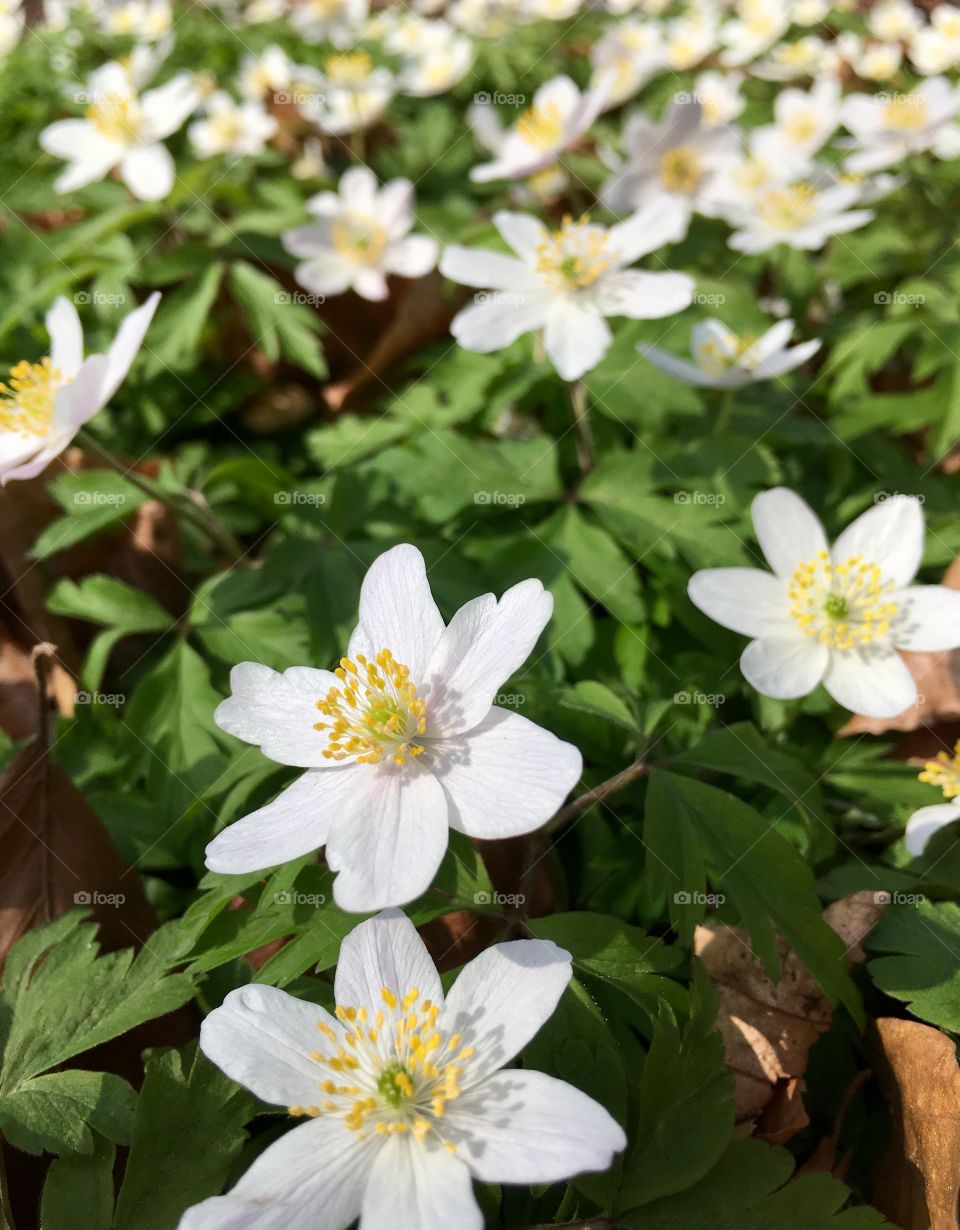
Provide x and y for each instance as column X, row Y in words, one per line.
column 917, row 1182
column 769, row 1027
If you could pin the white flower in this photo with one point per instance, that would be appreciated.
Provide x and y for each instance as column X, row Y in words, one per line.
column 565, row 282
column 43, row 405
column 888, row 129
column 944, row 772
column 833, row 615
column 125, row 130
column 722, row 360
column 336, row 21
column 404, row 1091
column 231, row 128
column 937, row 47
column 348, row 94
column 719, row 97
column 558, row 118
column 311, row 164
column 877, row 61
column 688, row 40
column 401, row 742
column 671, row 163
column 759, row 24
column 799, row 214
column 805, row 120
column 360, row 236
column 146, row 19
column 894, row 20
column 625, row 59
column 788, row 61
column 436, row 56
column 264, row 75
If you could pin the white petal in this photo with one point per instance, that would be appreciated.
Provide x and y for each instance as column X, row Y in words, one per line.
column 651, row 227
column 527, row 1127
column 490, row 323
column 500, row 1001
column 484, row 644
column 278, row 712
column 307, row 241
column 126, row 345
column 358, row 191
column 312, row 1178
column 166, row 107
column 875, row 683
column 397, row 611
column 388, row 846
column 929, row 618
column 394, row 210
column 78, row 402
column 890, row 534
column 262, row 1038
column 643, row 296
column 743, row 599
column 787, row 360
column 385, row 951
column 576, row 338
column 412, row 257
column 414, row 1186
column 148, row 171
column 784, row 669
column 924, row 823
column 325, row 273
column 66, row 337
column 560, row 92
column 773, row 341
column 506, row 776
column 680, row 368
column 370, row 284
column 296, row 822
column 787, row 529
column 481, row 268
column 522, row 232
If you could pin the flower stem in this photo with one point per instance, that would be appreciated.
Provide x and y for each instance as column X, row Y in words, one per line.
column 724, row 412
column 577, row 392
column 179, row 504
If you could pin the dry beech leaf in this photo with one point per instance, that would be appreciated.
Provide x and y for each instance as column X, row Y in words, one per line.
column 917, row 1182
column 769, row 1027
column 55, row 854
column 937, row 677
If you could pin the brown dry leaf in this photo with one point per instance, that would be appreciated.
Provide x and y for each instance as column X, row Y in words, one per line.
column 769, row 1027
column 55, row 854
column 937, row 676
column 917, row 1182
column 422, row 316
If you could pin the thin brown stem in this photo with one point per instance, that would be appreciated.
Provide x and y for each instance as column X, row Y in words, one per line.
column 619, row 781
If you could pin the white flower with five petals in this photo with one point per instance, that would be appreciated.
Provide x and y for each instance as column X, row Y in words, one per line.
column 565, row 283
column 403, row 1089
column 123, row 129
column 836, row 615
column 43, row 405
column 361, row 234
column 402, row 742
column 722, row 360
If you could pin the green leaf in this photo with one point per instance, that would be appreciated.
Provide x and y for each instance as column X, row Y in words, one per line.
column 94, row 501
column 615, row 952
column 748, row 1189
column 55, row 1112
column 596, row 563
column 78, row 1191
column 686, row 1105
column 691, row 827
column 921, row 970
column 59, row 998
column 187, row 1135
column 105, row 600
column 174, row 338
